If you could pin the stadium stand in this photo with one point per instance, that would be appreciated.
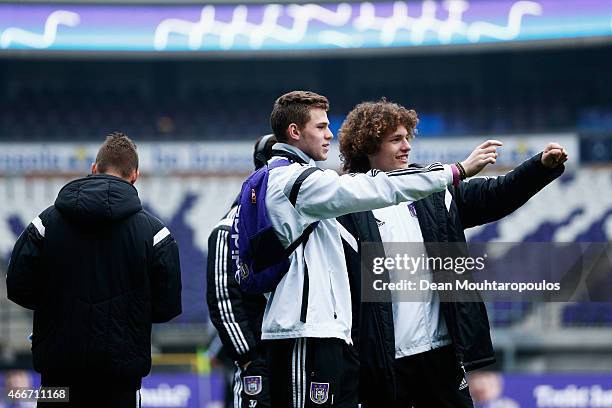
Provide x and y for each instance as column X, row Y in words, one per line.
column 177, row 100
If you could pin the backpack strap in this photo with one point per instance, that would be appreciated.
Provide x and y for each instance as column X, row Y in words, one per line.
column 303, row 239
column 295, row 189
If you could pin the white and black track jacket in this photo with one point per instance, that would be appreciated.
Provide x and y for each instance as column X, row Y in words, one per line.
column 235, row 314
column 313, row 299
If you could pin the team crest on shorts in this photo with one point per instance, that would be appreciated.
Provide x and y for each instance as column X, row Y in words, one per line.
column 252, row 384
column 319, row 392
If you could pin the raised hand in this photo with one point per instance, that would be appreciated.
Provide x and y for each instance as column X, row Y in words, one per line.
column 554, row 155
column 483, row 155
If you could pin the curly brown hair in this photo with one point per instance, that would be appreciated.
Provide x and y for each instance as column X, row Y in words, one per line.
column 364, row 128
column 294, row 107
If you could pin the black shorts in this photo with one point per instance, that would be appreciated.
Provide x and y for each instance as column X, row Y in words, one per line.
column 313, row 372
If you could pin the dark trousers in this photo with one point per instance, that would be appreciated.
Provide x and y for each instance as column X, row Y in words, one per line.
column 251, row 386
column 313, row 373
column 432, row 379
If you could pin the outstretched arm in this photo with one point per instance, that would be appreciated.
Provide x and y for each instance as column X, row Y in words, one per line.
column 484, row 200
column 324, row 194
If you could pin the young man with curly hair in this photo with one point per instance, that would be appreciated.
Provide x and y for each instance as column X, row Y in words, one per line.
column 416, row 353
column 308, row 317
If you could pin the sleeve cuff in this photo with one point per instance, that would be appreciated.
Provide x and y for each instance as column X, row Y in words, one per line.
column 251, row 355
column 448, row 171
column 550, row 174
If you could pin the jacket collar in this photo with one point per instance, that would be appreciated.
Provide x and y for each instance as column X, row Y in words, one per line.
column 292, row 150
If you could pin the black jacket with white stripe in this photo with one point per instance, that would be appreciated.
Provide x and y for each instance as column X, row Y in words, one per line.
column 476, row 202
column 97, row 270
column 235, row 314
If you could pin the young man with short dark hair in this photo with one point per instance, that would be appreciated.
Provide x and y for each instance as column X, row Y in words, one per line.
column 97, row 270
column 308, row 317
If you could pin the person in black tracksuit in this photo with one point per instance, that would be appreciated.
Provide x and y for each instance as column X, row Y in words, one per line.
column 235, row 314
column 430, row 374
column 97, row 270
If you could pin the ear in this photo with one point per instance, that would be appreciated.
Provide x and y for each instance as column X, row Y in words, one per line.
column 293, row 132
column 135, row 175
column 94, row 168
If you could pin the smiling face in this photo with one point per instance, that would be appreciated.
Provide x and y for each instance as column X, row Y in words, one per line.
column 377, row 135
column 393, row 152
column 315, row 137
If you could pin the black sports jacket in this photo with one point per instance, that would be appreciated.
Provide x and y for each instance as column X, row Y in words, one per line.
column 97, row 270
column 476, row 202
column 235, row 314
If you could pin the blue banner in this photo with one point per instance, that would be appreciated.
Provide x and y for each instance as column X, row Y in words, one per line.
column 495, row 390
column 488, row 389
column 278, row 27
column 158, row 390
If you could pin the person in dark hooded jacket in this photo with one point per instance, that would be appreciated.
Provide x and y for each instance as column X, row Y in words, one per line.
column 97, row 270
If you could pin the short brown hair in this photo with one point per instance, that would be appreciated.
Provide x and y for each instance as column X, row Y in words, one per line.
column 294, row 107
column 117, row 153
column 364, row 127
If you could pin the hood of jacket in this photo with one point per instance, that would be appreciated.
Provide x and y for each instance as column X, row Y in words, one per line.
column 98, row 197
